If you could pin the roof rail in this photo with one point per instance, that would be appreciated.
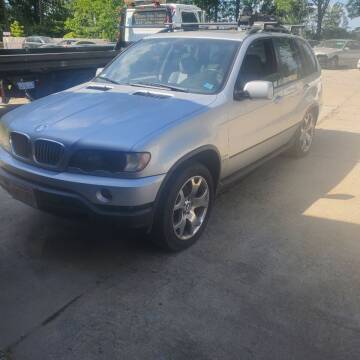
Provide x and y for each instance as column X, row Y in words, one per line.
column 269, row 26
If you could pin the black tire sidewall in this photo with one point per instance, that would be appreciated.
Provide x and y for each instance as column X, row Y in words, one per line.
column 164, row 234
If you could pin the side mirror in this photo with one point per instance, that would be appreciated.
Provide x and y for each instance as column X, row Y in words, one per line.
column 98, row 71
column 256, row 90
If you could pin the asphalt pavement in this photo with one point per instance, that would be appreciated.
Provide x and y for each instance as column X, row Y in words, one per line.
column 275, row 276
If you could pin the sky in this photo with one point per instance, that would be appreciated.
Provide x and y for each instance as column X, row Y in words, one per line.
column 354, row 22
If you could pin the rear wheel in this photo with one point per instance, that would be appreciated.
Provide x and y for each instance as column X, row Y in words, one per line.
column 185, row 208
column 304, row 136
column 335, row 62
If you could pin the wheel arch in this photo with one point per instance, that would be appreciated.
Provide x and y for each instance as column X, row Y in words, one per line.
column 208, row 155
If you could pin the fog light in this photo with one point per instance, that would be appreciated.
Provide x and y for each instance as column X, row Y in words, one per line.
column 104, row 195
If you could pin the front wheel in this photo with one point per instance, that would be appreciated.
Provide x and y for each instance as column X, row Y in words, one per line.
column 304, row 136
column 184, row 208
column 335, row 62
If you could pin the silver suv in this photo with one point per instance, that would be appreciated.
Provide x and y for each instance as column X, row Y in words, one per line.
column 153, row 137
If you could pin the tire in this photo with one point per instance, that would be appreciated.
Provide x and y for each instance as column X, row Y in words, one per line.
column 335, row 62
column 184, row 208
column 304, row 136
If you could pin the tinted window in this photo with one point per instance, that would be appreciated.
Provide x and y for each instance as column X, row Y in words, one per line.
column 308, row 61
column 259, row 63
column 288, row 60
column 188, row 17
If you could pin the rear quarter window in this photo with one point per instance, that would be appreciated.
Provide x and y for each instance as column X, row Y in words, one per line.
column 308, row 61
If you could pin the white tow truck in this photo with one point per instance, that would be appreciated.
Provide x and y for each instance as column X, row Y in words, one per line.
column 141, row 18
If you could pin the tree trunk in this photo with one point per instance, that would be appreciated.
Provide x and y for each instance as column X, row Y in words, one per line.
column 319, row 22
column 237, row 10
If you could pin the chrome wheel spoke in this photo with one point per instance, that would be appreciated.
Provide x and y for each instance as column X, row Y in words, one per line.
column 180, row 200
column 180, row 226
column 202, row 201
column 307, row 132
column 190, row 207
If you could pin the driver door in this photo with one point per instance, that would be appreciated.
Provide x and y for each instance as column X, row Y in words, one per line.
column 254, row 121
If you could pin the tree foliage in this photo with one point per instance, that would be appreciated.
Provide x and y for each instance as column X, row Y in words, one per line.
column 94, row 18
column 335, row 22
column 16, row 29
column 353, row 8
column 293, row 11
column 99, row 18
column 42, row 17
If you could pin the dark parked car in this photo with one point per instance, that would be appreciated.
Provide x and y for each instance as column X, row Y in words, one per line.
column 32, row 42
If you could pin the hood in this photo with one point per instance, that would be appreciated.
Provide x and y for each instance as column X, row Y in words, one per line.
column 325, row 51
column 118, row 117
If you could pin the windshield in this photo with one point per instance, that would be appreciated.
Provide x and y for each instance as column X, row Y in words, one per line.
column 334, row 44
column 192, row 65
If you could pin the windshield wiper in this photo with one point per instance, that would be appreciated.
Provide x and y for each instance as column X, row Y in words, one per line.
column 158, row 85
column 107, row 79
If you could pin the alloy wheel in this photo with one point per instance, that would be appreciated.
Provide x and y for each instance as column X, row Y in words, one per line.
column 190, row 207
column 307, row 132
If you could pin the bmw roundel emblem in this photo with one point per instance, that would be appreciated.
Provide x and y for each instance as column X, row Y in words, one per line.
column 40, row 128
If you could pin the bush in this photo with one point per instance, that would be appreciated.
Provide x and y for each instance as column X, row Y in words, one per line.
column 16, row 29
column 70, row 35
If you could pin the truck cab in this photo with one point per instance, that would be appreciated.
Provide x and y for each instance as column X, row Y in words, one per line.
column 144, row 19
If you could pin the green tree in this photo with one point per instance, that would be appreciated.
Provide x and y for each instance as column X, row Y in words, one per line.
column 94, row 18
column 42, row 17
column 335, row 22
column 293, row 11
column 16, row 29
column 353, row 8
column 321, row 7
column 3, row 15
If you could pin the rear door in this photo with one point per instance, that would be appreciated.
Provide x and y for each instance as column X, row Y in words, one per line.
column 310, row 75
column 291, row 87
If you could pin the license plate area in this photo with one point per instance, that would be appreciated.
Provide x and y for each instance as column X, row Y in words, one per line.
column 26, row 85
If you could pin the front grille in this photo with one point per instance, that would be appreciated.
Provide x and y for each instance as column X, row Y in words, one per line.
column 48, row 152
column 21, row 145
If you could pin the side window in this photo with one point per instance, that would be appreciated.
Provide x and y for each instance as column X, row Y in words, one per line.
column 288, row 60
column 353, row 45
column 259, row 63
column 308, row 61
column 188, row 17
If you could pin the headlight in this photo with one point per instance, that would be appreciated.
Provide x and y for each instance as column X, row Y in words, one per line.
column 109, row 161
column 4, row 137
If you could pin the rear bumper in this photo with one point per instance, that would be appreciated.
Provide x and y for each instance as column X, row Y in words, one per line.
column 76, row 194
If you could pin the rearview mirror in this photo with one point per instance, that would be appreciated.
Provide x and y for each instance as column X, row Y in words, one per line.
column 259, row 90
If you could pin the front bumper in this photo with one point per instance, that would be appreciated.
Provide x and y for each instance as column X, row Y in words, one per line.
column 67, row 193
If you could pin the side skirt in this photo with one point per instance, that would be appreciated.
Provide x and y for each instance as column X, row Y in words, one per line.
column 230, row 180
